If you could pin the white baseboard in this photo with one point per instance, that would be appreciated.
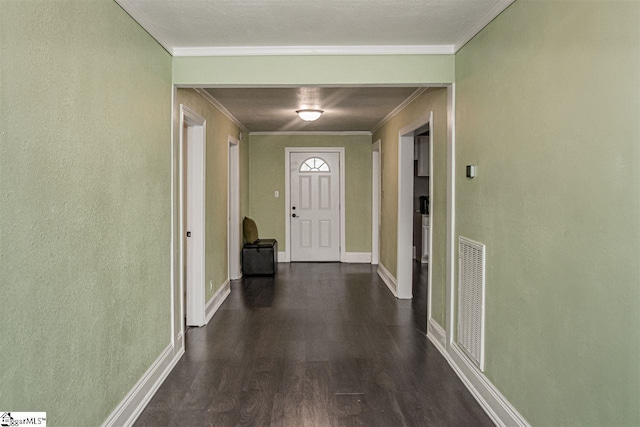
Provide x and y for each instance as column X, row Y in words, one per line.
column 388, row 279
column 437, row 335
column 126, row 413
column 497, row 407
column 282, row 257
column 356, row 257
column 216, row 300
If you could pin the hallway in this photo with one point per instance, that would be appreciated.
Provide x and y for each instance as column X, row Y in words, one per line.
column 319, row 345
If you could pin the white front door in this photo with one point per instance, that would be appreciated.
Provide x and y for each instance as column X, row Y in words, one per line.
column 315, row 206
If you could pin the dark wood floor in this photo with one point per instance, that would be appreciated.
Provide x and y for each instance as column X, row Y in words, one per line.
column 319, row 345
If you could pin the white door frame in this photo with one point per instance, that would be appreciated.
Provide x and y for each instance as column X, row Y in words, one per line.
column 430, row 239
column 451, row 213
column 287, row 192
column 376, row 196
column 404, row 263
column 233, row 209
column 195, row 305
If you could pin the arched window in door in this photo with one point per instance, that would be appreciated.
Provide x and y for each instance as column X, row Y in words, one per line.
column 314, row 164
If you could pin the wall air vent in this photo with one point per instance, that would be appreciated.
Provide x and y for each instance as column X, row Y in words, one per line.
column 471, row 300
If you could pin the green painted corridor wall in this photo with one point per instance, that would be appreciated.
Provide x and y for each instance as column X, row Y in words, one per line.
column 433, row 99
column 219, row 128
column 266, row 175
column 85, row 207
column 548, row 106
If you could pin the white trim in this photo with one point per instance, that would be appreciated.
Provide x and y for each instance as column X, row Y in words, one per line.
column 451, row 211
column 141, row 19
column 233, row 212
column 217, row 299
column 399, row 108
column 130, row 408
column 207, row 96
column 484, row 20
column 287, row 191
column 388, row 279
column 313, row 50
column 356, row 257
column 195, row 296
column 437, row 335
column 376, row 192
column 177, row 324
column 282, row 257
column 430, row 238
column 313, row 132
column 404, row 263
column 499, row 409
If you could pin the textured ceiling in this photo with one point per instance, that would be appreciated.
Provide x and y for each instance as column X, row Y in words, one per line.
column 346, row 108
column 235, row 23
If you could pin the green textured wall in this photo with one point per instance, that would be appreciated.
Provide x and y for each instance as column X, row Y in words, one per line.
column 267, row 168
column 219, row 127
column 433, row 99
column 313, row 70
column 548, row 106
column 85, row 214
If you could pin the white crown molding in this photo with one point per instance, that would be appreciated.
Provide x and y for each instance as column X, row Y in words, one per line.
column 206, row 95
column 399, row 108
column 313, row 50
column 446, row 49
column 139, row 17
column 489, row 16
column 312, row 132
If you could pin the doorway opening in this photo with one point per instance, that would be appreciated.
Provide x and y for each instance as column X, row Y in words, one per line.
column 233, row 210
column 192, row 223
column 376, row 201
column 422, row 195
column 406, row 204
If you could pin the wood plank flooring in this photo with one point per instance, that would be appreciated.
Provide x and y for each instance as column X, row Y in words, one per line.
column 321, row 344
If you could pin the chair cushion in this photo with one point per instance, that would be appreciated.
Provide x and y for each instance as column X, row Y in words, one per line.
column 250, row 230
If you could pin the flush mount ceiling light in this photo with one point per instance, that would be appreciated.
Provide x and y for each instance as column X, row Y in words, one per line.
column 309, row 115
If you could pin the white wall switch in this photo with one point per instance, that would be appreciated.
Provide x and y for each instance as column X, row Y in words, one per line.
column 276, row 194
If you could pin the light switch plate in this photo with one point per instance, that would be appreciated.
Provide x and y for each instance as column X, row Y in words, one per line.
column 276, row 194
column 471, row 171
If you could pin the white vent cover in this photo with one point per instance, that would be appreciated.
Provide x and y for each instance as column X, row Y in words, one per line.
column 471, row 299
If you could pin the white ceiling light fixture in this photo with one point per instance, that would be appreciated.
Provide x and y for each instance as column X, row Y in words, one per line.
column 309, row 115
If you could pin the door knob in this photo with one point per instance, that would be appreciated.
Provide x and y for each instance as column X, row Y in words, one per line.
column 294, row 215
column 188, row 234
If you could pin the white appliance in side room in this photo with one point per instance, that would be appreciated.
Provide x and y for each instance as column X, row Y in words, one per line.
column 425, row 239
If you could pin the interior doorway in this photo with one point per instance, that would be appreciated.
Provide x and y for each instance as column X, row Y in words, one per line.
column 192, row 186
column 376, row 201
column 233, row 210
column 422, row 212
column 406, row 157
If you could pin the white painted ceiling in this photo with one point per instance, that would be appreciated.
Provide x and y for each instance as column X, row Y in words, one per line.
column 435, row 25
column 345, row 108
column 286, row 27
